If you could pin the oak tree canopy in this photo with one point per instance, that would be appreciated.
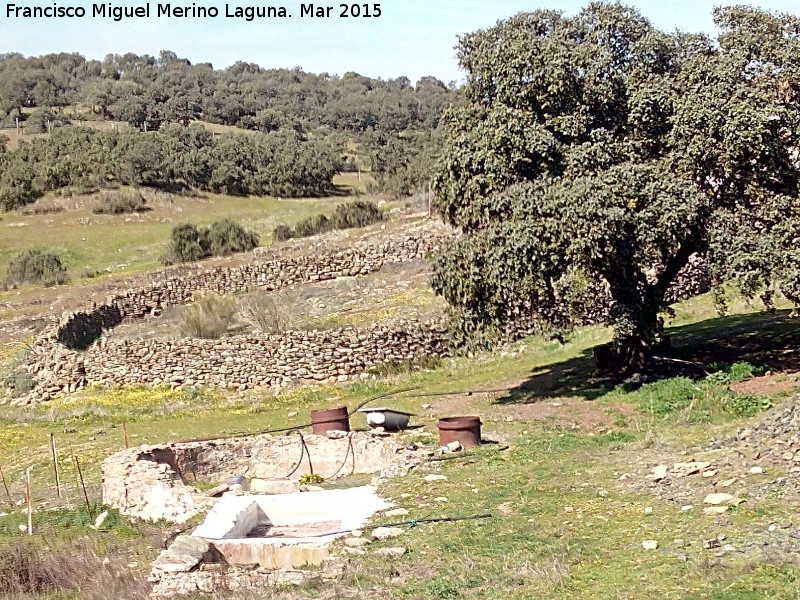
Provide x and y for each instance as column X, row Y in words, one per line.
column 596, row 148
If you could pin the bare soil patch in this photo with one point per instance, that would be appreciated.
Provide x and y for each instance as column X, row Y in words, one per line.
column 768, row 385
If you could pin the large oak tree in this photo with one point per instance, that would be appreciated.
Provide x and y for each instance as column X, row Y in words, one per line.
column 597, row 150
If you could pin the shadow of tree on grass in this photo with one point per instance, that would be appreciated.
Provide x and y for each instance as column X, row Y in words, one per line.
column 768, row 339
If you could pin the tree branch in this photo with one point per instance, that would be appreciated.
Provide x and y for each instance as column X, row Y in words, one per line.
column 681, row 258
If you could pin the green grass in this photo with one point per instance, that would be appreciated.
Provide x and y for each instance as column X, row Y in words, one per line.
column 563, row 525
column 87, row 242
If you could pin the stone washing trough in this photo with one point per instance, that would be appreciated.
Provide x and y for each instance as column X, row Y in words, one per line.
column 158, row 482
column 286, row 531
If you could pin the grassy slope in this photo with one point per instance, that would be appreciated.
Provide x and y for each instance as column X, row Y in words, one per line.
column 534, row 546
column 128, row 243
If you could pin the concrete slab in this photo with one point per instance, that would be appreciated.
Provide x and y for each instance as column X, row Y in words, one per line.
column 234, row 517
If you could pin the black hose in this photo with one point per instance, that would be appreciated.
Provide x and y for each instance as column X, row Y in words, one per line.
column 410, row 523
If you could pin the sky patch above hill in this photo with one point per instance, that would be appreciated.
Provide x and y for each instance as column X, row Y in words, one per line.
column 412, row 38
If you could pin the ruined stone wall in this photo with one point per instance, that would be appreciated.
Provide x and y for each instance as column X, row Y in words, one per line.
column 239, row 362
column 267, row 273
column 156, row 482
column 245, row 362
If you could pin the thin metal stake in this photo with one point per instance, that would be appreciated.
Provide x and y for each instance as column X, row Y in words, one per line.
column 83, row 485
column 55, row 463
column 5, row 485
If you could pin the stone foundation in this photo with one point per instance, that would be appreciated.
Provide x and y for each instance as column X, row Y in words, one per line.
column 158, row 482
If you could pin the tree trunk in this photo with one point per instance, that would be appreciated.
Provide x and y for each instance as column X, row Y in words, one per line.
column 632, row 356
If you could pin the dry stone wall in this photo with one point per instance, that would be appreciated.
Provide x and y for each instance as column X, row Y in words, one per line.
column 79, row 330
column 245, row 362
column 58, row 367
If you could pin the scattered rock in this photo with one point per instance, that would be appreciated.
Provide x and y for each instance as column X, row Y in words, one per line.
column 686, row 469
column 658, row 473
column 356, row 542
column 101, row 518
column 650, row 545
column 274, row 486
column 434, row 477
column 298, row 578
column 454, row 446
column 718, row 498
column 218, row 490
column 715, row 510
column 353, row 551
column 756, row 470
column 712, row 543
column 311, row 488
column 385, row 533
column 185, row 553
column 396, row 512
column 648, row 510
column 391, row 552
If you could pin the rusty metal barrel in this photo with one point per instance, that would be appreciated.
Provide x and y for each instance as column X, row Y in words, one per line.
column 465, row 430
column 334, row 419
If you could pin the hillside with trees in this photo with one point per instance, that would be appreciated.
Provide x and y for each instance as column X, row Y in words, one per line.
column 305, row 120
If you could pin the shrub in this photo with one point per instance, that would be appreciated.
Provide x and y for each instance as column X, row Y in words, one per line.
column 282, row 233
column 35, row 266
column 312, row 226
column 188, row 243
column 356, row 214
column 666, row 396
column 38, row 121
column 209, row 316
column 117, row 203
column 359, row 213
column 14, row 196
column 228, row 237
column 32, row 568
column 44, row 206
column 746, row 405
column 272, row 313
column 26, row 569
column 14, row 377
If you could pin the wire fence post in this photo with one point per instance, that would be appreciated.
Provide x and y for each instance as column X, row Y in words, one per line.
column 55, row 463
column 83, row 485
column 5, row 486
column 29, row 499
